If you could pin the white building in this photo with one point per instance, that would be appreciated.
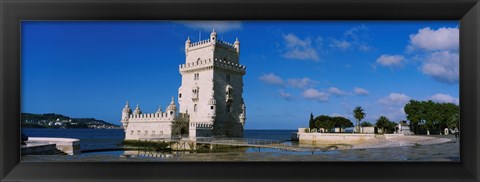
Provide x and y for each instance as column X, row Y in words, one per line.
column 210, row 97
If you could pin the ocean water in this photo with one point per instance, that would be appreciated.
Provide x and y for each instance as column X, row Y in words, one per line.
column 91, row 139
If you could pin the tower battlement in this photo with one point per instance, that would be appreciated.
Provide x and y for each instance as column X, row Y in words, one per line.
column 209, row 64
column 149, row 117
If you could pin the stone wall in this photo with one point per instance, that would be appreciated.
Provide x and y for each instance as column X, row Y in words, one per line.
column 333, row 138
column 68, row 145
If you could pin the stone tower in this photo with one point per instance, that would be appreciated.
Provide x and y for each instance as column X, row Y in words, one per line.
column 212, row 88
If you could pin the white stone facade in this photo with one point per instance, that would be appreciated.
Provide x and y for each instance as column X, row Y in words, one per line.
column 210, row 96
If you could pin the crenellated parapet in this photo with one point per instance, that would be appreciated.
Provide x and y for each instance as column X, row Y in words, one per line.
column 226, row 45
column 149, row 117
column 190, row 46
column 215, row 64
column 198, row 45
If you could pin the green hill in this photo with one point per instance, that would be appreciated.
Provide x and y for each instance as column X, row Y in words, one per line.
column 52, row 120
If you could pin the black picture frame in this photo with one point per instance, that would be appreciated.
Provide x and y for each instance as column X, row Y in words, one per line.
column 14, row 11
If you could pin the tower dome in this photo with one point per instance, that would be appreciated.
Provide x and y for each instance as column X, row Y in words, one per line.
column 213, row 33
column 137, row 110
column 172, row 106
column 127, row 109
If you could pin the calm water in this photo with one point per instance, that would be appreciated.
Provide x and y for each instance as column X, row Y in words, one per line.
column 110, row 138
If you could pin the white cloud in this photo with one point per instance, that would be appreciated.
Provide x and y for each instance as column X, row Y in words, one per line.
column 300, row 83
column 352, row 38
column 390, row 60
column 315, row 95
column 285, row 95
column 271, row 79
column 393, row 105
column 338, row 114
column 394, row 99
column 219, row 26
column 443, row 66
column 360, row 91
column 336, row 91
column 297, row 48
column 434, row 40
column 444, row 98
column 341, row 44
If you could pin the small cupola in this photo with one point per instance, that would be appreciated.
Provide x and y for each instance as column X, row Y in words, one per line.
column 137, row 110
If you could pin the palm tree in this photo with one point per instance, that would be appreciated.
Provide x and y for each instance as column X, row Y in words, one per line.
column 383, row 122
column 358, row 114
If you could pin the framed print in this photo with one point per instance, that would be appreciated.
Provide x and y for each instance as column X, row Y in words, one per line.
column 155, row 90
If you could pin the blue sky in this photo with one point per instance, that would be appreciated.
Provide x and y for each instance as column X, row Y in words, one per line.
column 294, row 68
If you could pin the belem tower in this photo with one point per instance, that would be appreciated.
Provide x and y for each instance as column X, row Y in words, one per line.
column 210, row 97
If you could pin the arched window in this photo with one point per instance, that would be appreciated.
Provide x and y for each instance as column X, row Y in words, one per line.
column 211, row 107
column 195, row 108
column 229, row 93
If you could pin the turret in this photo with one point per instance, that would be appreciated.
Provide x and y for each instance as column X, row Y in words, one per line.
column 213, row 36
column 213, row 39
column 137, row 110
column 125, row 115
column 126, row 111
column 236, row 45
column 187, row 45
column 172, row 109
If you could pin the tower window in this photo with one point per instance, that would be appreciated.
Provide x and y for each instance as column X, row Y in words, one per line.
column 180, row 95
column 211, row 107
column 195, row 108
column 196, row 76
column 228, row 77
column 228, row 108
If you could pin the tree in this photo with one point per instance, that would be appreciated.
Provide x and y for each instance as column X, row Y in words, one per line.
column 429, row 115
column 454, row 121
column 311, row 123
column 382, row 122
column 342, row 122
column 365, row 124
column 358, row 114
column 324, row 121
